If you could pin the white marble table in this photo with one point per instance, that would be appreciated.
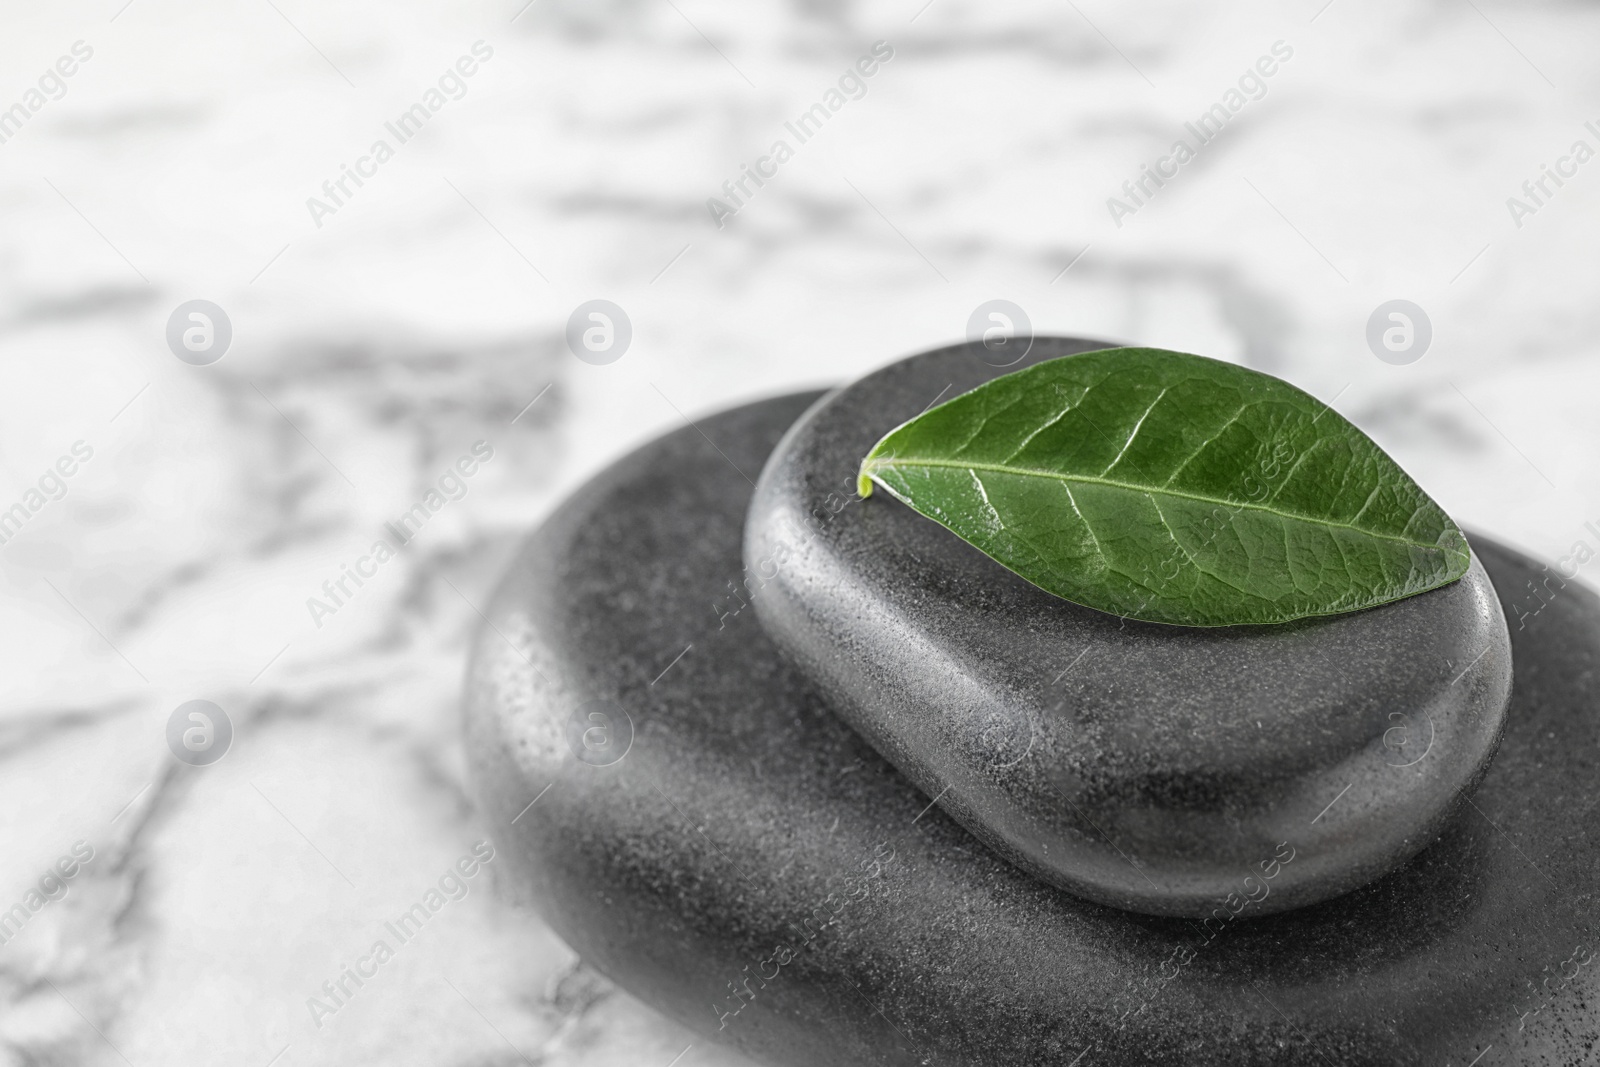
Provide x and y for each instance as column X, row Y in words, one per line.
column 374, row 343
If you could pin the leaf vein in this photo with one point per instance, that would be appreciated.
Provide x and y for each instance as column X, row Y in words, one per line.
column 1210, row 438
column 1024, row 472
column 1135, row 431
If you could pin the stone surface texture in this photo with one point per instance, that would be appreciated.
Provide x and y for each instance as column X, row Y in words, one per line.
column 754, row 869
column 1140, row 765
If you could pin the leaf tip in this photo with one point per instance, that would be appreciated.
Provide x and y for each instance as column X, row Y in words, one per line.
column 1459, row 550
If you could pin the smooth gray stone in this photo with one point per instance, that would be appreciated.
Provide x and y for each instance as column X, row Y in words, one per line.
column 1145, row 766
column 743, row 803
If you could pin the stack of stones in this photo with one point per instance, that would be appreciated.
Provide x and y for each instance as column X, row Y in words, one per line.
column 820, row 780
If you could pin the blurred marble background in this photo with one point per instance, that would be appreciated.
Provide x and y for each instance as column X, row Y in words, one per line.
column 374, row 344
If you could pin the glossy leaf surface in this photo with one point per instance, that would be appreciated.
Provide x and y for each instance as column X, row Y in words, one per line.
column 1171, row 488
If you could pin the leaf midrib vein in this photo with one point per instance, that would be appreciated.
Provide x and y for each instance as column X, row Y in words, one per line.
column 995, row 468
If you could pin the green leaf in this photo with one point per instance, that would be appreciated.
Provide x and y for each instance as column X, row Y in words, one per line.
column 1171, row 488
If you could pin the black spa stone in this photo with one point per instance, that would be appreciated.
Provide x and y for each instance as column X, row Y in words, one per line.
column 753, row 868
column 1146, row 766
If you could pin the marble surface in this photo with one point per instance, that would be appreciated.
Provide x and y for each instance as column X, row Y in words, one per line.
column 428, row 312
